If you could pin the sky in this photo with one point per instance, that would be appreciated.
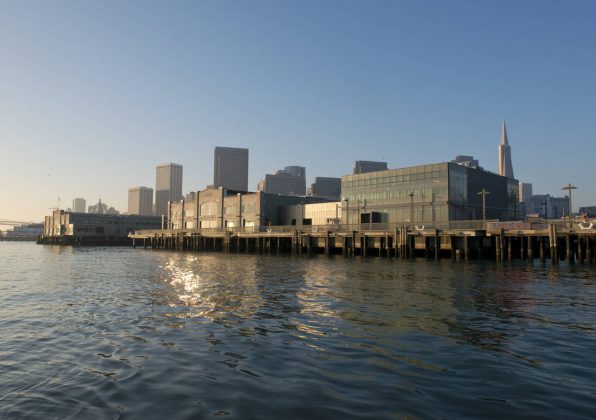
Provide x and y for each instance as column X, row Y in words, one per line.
column 95, row 94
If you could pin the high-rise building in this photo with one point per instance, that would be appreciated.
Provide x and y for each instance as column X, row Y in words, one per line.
column 79, row 205
column 230, row 168
column 505, row 165
column 288, row 181
column 525, row 191
column 326, row 187
column 363, row 166
column 168, row 186
column 140, row 201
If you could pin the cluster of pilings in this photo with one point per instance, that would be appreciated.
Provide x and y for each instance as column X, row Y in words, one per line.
column 499, row 245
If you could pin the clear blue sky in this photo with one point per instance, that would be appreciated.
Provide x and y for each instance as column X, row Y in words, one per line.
column 94, row 94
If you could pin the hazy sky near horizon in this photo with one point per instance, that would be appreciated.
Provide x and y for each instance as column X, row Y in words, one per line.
column 95, row 94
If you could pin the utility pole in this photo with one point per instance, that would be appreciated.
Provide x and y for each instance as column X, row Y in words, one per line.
column 484, row 193
column 412, row 209
column 569, row 187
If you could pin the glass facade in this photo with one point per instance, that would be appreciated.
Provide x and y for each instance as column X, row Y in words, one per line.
column 430, row 195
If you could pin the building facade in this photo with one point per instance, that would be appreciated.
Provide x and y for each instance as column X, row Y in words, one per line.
column 219, row 208
column 288, row 181
column 505, row 162
column 546, row 206
column 315, row 214
column 326, row 187
column 364, row 166
column 230, row 168
column 140, row 201
column 431, row 195
column 468, row 161
column 525, row 191
column 95, row 227
column 168, row 186
column 79, row 205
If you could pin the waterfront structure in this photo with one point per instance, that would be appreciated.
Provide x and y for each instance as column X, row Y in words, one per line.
column 168, row 186
column 79, row 205
column 230, row 168
column 546, row 206
column 140, row 201
column 467, row 161
column 364, row 166
column 28, row 232
column 326, row 187
column 220, row 207
column 505, row 163
column 288, row 181
column 427, row 195
column 92, row 228
column 560, row 206
column 314, row 214
column 102, row 208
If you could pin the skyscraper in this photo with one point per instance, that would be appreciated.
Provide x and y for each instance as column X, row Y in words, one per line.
column 505, row 165
column 79, row 205
column 525, row 191
column 288, row 181
column 230, row 168
column 140, row 201
column 168, row 186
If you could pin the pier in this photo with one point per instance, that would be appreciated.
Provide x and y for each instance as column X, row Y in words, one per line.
column 555, row 242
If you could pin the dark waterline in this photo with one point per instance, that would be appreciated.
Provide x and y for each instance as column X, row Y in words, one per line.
column 116, row 332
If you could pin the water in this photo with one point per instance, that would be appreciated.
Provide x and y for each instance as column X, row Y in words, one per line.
column 117, row 332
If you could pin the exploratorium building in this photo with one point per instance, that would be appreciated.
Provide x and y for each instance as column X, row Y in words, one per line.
column 441, row 195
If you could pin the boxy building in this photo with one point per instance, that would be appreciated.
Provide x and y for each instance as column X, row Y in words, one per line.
column 432, row 195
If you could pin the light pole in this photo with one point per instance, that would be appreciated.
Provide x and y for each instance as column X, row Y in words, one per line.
column 569, row 187
column 483, row 193
column 412, row 208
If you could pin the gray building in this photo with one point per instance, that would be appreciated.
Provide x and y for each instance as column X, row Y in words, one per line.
column 589, row 211
column 326, row 187
column 544, row 205
column 525, row 191
column 431, row 195
column 364, row 166
column 230, row 168
column 102, row 208
column 79, row 205
column 168, row 186
column 288, row 181
column 140, row 201
column 70, row 227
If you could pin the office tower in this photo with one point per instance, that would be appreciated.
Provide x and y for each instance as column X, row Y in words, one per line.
column 288, row 181
column 505, row 165
column 326, row 187
column 168, row 186
column 363, row 166
column 525, row 191
column 79, row 205
column 230, row 168
column 140, row 201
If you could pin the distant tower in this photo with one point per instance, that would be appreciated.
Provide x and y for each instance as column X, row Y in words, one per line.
column 505, row 165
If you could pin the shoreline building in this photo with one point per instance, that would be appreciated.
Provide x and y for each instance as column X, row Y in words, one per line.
column 426, row 195
column 364, row 166
column 79, row 205
column 140, row 201
column 230, row 168
column 288, row 181
column 505, row 165
column 168, row 186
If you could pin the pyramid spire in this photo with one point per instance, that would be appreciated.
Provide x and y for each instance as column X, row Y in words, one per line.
column 505, row 165
column 504, row 139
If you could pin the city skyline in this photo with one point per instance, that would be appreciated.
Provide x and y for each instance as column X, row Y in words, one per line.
column 361, row 84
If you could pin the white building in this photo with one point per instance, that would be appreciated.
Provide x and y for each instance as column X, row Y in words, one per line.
column 168, row 186
column 140, row 201
column 79, row 205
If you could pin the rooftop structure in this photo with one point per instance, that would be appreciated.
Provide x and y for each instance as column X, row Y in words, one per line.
column 467, row 161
